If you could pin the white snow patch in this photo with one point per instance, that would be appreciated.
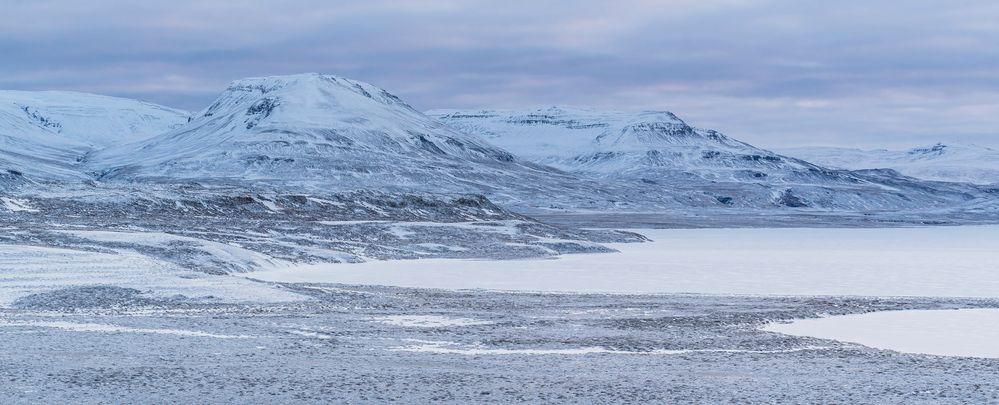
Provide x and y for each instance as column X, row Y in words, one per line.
column 474, row 350
column 228, row 253
column 325, row 202
column 930, row 261
column 312, row 334
column 401, row 232
column 270, row 205
column 26, row 270
column 105, row 328
column 428, row 321
column 965, row 332
column 17, row 205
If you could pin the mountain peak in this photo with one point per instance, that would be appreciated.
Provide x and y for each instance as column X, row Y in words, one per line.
column 317, row 130
column 310, row 97
column 312, row 82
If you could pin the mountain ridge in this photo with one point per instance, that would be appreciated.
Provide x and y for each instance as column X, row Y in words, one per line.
column 323, row 133
column 656, row 150
column 938, row 162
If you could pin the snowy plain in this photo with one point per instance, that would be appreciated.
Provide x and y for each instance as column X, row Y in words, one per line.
column 918, row 261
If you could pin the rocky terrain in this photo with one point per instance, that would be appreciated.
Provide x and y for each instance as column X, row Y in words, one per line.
column 376, row 344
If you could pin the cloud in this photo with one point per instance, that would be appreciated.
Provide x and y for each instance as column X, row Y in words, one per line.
column 774, row 72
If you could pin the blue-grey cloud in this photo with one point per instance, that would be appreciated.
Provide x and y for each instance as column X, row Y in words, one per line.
column 774, row 72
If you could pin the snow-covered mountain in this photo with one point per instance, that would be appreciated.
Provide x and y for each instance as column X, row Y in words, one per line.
column 314, row 133
column 658, row 152
column 646, row 145
column 940, row 162
column 305, row 168
column 44, row 134
column 318, row 132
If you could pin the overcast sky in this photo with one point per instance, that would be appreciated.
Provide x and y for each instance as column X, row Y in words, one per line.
column 775, row 73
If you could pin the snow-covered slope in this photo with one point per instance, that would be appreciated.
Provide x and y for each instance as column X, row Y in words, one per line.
column 44, row 134
column 319, row 132
column 940, row 162
column 88, row 119
column 24, row 159
column 660, row 153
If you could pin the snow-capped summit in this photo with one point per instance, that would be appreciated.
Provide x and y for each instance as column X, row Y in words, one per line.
column 941, row 162
column 43, row 134
column 320, row 131
column 307, row 99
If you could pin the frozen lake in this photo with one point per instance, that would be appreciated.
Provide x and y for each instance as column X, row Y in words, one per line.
column 966, row 332
column 929, row 261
